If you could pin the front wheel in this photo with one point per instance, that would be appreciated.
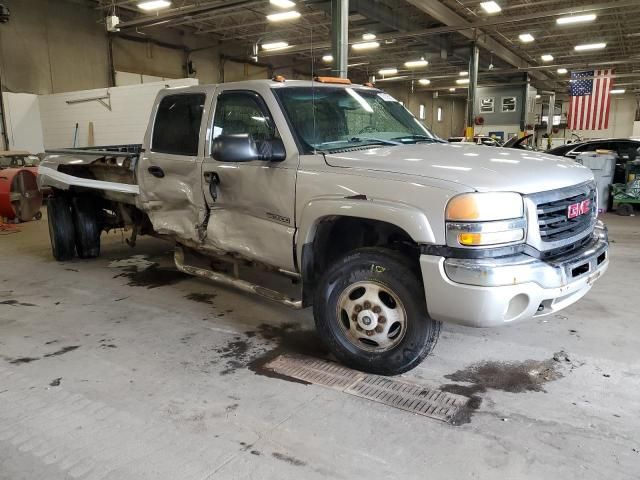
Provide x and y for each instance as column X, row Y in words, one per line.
column 370, row 311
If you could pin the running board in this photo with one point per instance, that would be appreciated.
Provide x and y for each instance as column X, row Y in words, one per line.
column 233, row 282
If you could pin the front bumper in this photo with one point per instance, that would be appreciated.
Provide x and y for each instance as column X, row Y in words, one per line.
column 491, row 292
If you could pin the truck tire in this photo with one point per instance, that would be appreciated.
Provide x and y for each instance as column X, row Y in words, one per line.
column 87, row 229
column 625, row 209
column 371, row 313
column 61, row 231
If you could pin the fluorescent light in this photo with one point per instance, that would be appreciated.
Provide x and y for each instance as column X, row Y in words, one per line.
column 590, row 17
column 538, row 96
column 369, row 36
column 547, row 58
column 154, row 4
column 282, row 3
column 275, row 45
column 490, row 7
column 464, row 74
column 526, row 38
column 562, row 71
column 617, row 91
column 589, row 46
column 424, row 81
column 327, row 58
column 416, row 63
column 452, row 89
column 462, row 81
column 282, row 16
column 388, row 71
column 365, row 45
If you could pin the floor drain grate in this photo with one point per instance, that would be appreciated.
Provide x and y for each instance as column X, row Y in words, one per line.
column 395, row 393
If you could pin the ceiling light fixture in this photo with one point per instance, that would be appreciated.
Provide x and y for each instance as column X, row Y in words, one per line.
column 452, row 89
column 154, row 5
column 526, row 38
column 416, row 63
column 490, row 7
column 369, row 36
column 365, row 45
column 617, row 91
column 547, row 58
column 388, row 71
column 462, row 81
column 275, row 46
column 562, row 71
column 327, row 58
column 283, row 16
column 424, row 81
column 538, row 96
column 576, row 19
column 464, row 74
column 589, row 46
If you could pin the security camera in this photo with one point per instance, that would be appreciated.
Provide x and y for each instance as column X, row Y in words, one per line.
column 4, row 13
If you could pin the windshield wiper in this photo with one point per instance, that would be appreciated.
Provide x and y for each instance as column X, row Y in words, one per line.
column 417, row 138
column 374, row 140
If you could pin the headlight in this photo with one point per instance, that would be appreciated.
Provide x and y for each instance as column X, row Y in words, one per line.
column 485, row 219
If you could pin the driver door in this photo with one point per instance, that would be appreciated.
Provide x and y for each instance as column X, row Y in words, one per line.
column 252, row 204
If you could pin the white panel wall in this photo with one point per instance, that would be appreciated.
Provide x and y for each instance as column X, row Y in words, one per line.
column 125, row 123
column 23, row 122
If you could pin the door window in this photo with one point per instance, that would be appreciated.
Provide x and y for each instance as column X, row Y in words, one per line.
column 243, row 113
column 177, row 126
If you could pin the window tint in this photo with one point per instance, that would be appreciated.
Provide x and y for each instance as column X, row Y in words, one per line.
column 238, row 113
column 177, row 126
column 627, row 148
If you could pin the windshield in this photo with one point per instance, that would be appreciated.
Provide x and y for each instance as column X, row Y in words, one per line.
column 330, row 119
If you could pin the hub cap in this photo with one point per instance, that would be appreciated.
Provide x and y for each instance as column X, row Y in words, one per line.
column 371, row 316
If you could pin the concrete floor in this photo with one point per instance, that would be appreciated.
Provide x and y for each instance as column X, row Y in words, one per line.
column 105, row 373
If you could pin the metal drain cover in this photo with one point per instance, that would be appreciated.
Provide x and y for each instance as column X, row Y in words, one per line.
column 395, row 393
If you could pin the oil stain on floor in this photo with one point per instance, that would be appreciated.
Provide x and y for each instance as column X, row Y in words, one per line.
column 512, row 377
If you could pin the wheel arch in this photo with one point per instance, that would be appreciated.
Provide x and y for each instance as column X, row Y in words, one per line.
column 330, row 228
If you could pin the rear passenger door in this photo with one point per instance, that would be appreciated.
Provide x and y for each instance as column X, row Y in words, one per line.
column 169, row 171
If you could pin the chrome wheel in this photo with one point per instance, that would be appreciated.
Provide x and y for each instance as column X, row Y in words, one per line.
column 371, row 316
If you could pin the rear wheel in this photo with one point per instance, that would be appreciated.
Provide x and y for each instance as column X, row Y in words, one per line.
column 625, row 209
column 87, row 228
column 370, row 311
column 61, row 231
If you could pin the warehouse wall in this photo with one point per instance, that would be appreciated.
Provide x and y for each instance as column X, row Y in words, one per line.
column 453, row 109
column 126, row 122
column 52, row 46
column 24, row 128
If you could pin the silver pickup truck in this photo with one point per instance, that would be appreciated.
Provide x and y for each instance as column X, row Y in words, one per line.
column 388, row 229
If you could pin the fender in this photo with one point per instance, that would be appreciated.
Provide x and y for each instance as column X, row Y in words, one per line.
column 406, row 217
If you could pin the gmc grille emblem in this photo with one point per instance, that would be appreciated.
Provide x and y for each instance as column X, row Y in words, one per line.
column 577, row 209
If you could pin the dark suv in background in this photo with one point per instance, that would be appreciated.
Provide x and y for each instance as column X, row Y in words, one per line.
column 624, row 147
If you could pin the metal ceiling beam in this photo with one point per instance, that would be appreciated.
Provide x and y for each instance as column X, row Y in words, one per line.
column 178, row 13
column 445, row 15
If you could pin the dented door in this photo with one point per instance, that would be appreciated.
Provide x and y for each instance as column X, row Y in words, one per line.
column 253, row 213
column 169, row 172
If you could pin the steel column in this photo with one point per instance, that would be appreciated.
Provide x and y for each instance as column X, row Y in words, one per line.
column 473, row 86
column 340, row 36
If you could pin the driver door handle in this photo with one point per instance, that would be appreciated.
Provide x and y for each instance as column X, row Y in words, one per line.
column 156, row 171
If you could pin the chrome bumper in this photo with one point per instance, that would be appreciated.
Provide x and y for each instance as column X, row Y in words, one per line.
column 492, row 292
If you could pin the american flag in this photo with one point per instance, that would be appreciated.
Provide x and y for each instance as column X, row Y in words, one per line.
column 590, row 99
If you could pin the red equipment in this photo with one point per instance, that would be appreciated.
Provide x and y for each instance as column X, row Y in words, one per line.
column 20, row 198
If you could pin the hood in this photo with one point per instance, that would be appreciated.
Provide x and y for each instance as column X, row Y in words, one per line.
column 477, row 167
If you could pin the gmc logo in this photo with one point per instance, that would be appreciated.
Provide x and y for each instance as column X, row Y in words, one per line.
column 577, row 209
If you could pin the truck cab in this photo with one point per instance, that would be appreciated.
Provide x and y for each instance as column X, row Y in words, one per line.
column 388, row 229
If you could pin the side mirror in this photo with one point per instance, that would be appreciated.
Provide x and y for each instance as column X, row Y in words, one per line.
column 235, row 148
column 242, row 148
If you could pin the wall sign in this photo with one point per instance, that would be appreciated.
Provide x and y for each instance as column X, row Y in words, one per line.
column 487, row 105
column 508, row 104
